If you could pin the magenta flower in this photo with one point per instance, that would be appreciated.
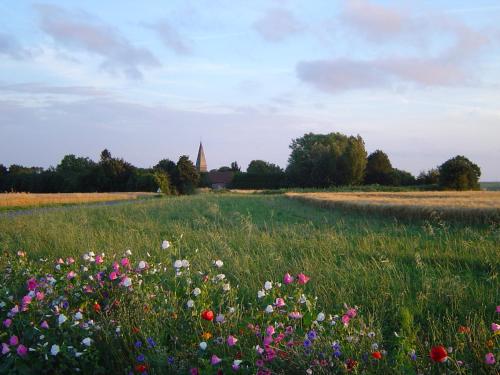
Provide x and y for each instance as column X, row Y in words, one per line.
column 270, row 330
column 280, row 302
column 125, row 263
column 5, row 348
column 259, row 363
column 7, row 323
column 70, row 260
column 113, row 275
column 295, row 315
column 346, row 319
column 351, row 313
column 22, row 350
column 13, row 341
column 71, row 275
column 40, row 296
column 302, row 279
column 498, row 309
column 99, row 259
column 194, row 371
column 287, row 279
column 231, row 340
column 495, row 327
column 44, row 325
column 215, row 360
column 26, row 300
column 268, row 340
column 32, row 284
column 60, row 261
column 116, row 266
column 489, row 359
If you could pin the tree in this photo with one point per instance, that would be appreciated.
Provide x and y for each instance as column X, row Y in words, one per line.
column 170, row 168
column 224, row 169
column 114, row 173
column 459, row 173
column 73, row 171
column 3, row 170
column 322, row 160
column 378, row 169
column 235, row 167
column 401, row 178
column 431, row 177
column 188, row 175
column 263, row 167
column 161, row 179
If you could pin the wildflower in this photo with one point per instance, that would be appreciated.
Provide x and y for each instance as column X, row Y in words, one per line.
column 346, row 319
column 141, row 368
column 220, row 318
column 99, row 259
column 185, row 263
column 320, row 317
column 413, row 355
column 44, row 325
column 32, row 284
column 303, row 299
column 165, row 244
column 206, row 336
column 215, row 360
column 126, row 282
column 190, row 303
column 22, row 350
column 287, row 279
column 280, row 302
column 489, row 359
column 269, row 309
column 295, row 315
column 203, row 345
column 312, row 335
column 70, row 260
column 307, row 343
column 270, row 330
column 231, row 340
column 226, row 287
column 351, row 313
column 236, row 364
column 371, row 334
column 13, row 341
column 261, row 294
column 498, row 309
column 113, row 275
column 218, row 263
column 207, row 315
column 377, row 355
column 495, row 327
column 268, row 285
column 142, row 265
column 439, row 354
column 54, row 350
column 87, row 341
column 196, row 292
column 5, row 348
column 97, row 307
column 259, row 363
column 302, row 279
column 61, row 319
column 40, row 296
column 151, row 342
column 7, row 323
column 350, row 364
column 78, row 316
column 194, row 371
column 220, row 276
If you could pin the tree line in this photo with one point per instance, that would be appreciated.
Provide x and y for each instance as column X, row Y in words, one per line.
column 316, row 161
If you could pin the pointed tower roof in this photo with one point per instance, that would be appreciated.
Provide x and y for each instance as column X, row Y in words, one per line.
column 201, row 163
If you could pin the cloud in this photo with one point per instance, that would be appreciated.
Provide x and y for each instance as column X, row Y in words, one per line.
column 37, row 88
column 79, row 30
column 9, row 46
column 171, row 37
column 376, row 23
column 277, row 24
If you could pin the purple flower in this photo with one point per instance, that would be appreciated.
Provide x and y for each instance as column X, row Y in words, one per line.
column 307, row 343
column 140, row 358
column 7, row 323
column 489, row 359
column 151, row 342
column 312, row 335
column 215, row 360
column 22, row 350
column 138, row 344
column 170, row 360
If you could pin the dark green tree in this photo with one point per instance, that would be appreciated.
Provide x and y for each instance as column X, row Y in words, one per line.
column 459, row 173
column 73, row 172
column 263, row 167
column 235, row 167
column 188, row 175
column 431, row 177
column 378, row 169
column 402, row 178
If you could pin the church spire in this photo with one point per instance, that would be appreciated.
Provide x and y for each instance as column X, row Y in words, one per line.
column 201, row 163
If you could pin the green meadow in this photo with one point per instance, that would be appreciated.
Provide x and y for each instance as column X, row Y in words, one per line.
column 420, row 280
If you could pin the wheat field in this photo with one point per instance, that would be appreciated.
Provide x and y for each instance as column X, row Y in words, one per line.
column 12, row 200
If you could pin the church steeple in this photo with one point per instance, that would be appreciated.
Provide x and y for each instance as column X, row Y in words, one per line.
column 201, row 163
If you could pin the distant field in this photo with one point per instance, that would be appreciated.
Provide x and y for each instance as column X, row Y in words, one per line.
column 22, row 200
column 493, row 186
column 470, row 204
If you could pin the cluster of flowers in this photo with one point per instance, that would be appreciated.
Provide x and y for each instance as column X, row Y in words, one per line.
column 168, row 317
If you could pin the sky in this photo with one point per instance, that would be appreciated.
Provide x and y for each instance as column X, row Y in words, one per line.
column 149, row 80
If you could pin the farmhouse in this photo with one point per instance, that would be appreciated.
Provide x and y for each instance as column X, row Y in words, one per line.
column 216, row 179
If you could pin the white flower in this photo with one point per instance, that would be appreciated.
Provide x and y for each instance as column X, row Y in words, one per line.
column 78, row 354
column 320, row 317
column 196, row 292
column 165, row 244
column 78, row 316
column 261, row 294
column 127, row 282
column 269, row 309
column 87, row 341
column 226, row 287
column 58, row 267
column 86, row 257
column 61, row 319
column 218, row 263
column 185, row 263
column 303, row 299
column 54, row 349
column 221, row 276
column 203, row 345
column 374, row 346
column 268, row 285
column 142, row 265
column 190, row 303
column 232, row 310
column 91, row 253
column 128, row 252
column 237, row 362
column 178, row 264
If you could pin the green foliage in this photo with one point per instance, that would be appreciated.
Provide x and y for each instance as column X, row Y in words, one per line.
column 459, row 173
column 259, row 180
column 431, row 177
column 322, row 160
column 235, row 167
column 402, row 178
column 261, row 167
column 188, row 175
column 378, row 169
column 162, row 180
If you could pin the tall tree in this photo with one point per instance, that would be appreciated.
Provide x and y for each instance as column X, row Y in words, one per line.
column 378, row 169
column 188, row 175
column 459, row 173
column 263, row 167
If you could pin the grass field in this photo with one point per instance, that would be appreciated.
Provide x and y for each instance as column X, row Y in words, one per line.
column 25, row 200
column 421, row 279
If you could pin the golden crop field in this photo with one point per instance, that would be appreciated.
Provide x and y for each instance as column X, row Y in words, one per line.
column 445, row 203
column 8, row 200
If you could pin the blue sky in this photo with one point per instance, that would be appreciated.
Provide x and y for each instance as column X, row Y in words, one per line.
column 149, row 80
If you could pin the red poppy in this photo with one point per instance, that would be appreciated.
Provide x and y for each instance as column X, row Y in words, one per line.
column 463, row 329
column 141, row 368
column 136, row 330
column 97, row 307
column 377, row 355
column 439, row 354
column 208, row 315
column 350, row 364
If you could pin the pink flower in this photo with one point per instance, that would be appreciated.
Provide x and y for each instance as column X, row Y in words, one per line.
column 351, row 313
column 270, row 330
column 32, row 284
column 22, row 350
column 113, row 275
column 7, row 323
column 5, row 348
column 295, row 315
column 26, row 300
column 70, row 260
column 231, row 340
column 495, row 327
column 116, row 266
column 40, row 296
column 14, row 310
column 87, row 289
column 280, row 302
column 346, row 319
column 44, row 325
column 279, row 338
column 99, row 259
column 498, row 309
column 13, row 341
column 259, row 363
column 60, row 261
column 287, row 279
column 71, row 275
column 268, row 340
column 215, row 360
column 302, row 279
column 489, row 359
column 194, row 371
column 125, row 262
